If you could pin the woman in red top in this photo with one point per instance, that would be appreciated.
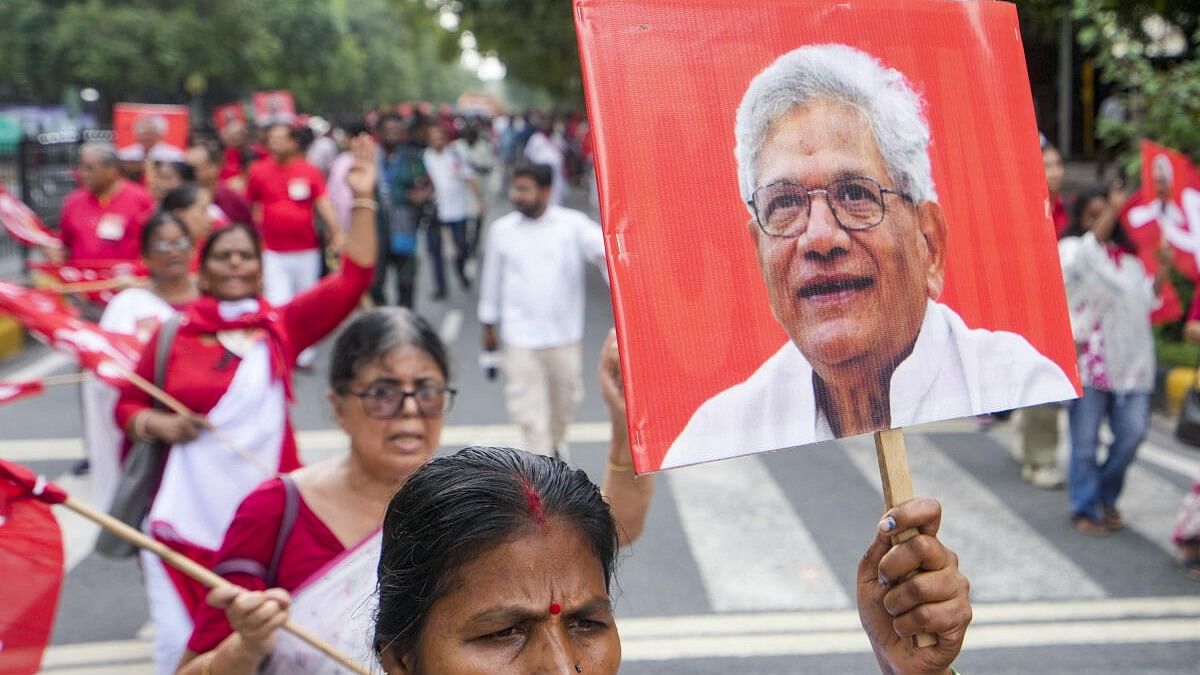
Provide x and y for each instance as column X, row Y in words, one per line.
column 320, row 571
column 230, row 364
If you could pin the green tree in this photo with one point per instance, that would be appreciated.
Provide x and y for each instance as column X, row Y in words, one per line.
column 1150, row 59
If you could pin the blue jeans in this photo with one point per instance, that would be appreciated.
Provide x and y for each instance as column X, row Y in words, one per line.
column 433, row 243
column 1092, row 486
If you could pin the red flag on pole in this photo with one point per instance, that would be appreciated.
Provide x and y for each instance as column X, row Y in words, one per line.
column 104, row 353
column 31, row 554
column 23, row 224
column 1166, row 207
column 98, row 280
column 15, row 391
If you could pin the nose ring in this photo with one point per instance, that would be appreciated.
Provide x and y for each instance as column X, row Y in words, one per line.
column 578, row 667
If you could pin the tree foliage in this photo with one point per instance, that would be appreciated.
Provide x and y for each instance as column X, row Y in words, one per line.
column 534, row 38
column 334, row 55
column 1160, row 91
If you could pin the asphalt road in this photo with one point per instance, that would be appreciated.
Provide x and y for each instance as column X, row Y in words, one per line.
column 745, row 566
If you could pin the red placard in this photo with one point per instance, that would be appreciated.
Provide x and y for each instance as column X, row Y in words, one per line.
column 230, row 112
column 701, row 346
column 273, row 107
column 157, row 132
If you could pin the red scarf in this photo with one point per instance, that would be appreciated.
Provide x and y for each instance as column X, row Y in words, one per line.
column 203, row 317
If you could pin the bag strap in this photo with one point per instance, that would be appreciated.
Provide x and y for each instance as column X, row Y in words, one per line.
column 291, row 509
column 162, row 351
column 270, row 573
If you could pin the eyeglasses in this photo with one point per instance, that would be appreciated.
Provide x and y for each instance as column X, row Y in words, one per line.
column 171, row 245
column 783, row 209
column 383, row 402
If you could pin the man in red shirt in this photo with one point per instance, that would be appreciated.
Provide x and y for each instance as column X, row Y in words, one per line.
column 205, row 158
column 103, row 219
column 285, row 191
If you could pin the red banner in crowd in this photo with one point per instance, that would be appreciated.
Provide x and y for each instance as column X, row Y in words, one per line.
column 137, row 124
column 723, row 139
column 31, row 563
column 273, row 107
column 230, row 112
column 23, row 224
column 89, row 278
column 1167, row 207
column 51, row 321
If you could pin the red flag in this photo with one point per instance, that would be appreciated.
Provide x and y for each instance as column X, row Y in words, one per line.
column 23, row 224
column 15, row 391
column 31, row 563
column 104, row 353
column 92, row 271
column 1166, row 207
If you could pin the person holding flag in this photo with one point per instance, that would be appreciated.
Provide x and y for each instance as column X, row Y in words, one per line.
column 307, row 545
column 167, row 249
column 230, row 363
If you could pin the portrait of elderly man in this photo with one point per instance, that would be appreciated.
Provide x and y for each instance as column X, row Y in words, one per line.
column 833, row 161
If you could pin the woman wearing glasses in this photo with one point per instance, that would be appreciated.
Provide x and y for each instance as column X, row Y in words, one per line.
column 306, row 546
column 229, row 363
column 167, row 251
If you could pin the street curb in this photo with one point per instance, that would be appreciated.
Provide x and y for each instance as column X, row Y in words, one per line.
column 12, row 337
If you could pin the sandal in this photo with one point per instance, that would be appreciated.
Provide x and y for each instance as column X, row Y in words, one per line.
column 1191, row 566
column 1112, row 518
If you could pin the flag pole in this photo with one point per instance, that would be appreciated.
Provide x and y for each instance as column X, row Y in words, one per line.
column 178, row 407
column 892, row 455
column 201, row 574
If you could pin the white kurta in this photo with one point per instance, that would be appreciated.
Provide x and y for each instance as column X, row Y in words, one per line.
column 953, row 371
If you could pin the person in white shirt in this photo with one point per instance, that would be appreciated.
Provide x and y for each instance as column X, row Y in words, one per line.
column 543, row 147
column 833, row 163
column 476, row 146
column 453, row 180
column 532, row 288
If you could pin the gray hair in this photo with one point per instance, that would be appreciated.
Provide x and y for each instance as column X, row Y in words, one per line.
column 105, row 152
column 153, row 121
column 841, row 74
column 371, row 335
column 1162, row 163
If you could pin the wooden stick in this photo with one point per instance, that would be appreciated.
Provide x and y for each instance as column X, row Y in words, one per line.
column 93, row 286
column 897, row 489
column 201, row 574
column 179, row 408
column 70, row 378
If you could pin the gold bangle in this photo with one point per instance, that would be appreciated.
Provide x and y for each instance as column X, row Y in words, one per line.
column 363, row 203
column 207, row 667
column 620, row 468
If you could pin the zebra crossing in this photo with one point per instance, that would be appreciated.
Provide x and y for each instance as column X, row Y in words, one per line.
column 754, row 558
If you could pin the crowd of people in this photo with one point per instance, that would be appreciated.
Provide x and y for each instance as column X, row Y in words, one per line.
column 259, row 244
column 1112, row 292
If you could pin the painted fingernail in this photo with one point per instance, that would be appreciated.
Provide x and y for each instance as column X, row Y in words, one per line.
column 887, row 524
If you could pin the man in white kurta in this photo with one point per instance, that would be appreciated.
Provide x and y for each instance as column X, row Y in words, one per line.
column 532, row 290
column 953, row 371
column 833, row 165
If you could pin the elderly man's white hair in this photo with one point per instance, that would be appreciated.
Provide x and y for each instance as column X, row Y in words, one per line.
column 157, row 123
column 1162, row 165
column 841, row 74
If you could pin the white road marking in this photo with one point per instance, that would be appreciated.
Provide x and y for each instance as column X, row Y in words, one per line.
column 996, row 626
column 46, row 365
column 990, row 539
column 751, row 548
column 1149, row 504
column 451, row 326
column 79, row 533
column 317, row 442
